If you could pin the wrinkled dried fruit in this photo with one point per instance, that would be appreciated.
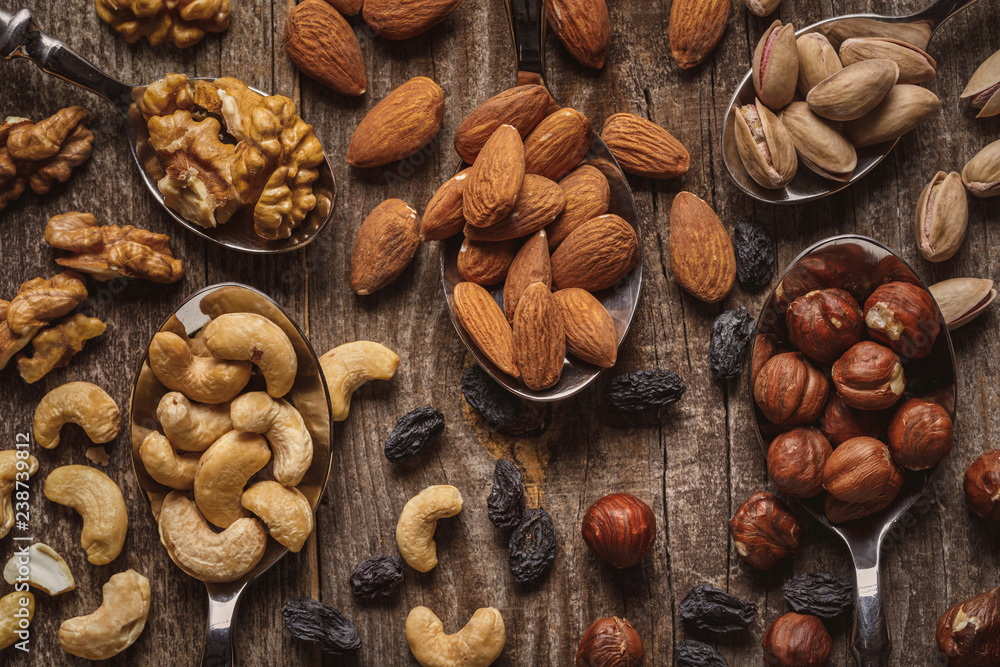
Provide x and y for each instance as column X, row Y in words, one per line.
column 313, row 621
column 412, row 433
column 754, row 253
column 532, row 546
column 820, row 594
column 644, row 390
column 797, row 640
column 610, row 642
column 968, row 634
column 691, row 653
column 503, row 411
column 764, row 531
column 506, row 503
column 707, row 608
column 727, row 347
column 377, row 577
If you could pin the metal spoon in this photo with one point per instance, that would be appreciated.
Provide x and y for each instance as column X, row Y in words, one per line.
column 527, row 26
column 864, row 260
column 20, row 38
column 917, row 29
column 309, row 395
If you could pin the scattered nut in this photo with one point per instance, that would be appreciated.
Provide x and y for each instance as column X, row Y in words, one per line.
column 764, row 531
column 861, row 470
column 348, row 366
column 41, row 300
column 823, row 324
column 55, row 346
column 165, row 465
column 961, row 300
column 478, row 644
column 417, row 521
column 982, row 485
column 981, row 91
column 620, row 529
column 189, row 426
column 920, row 434
column 869, row 376
column 384, row 247
column 16, row 612
column 610, row 642
column 981, row 174
column 285, row 430
column 903, row 317
column 81, row 403
column 115, row 625
column 248, row 336
column 797, row 640
column 41, row 567
column 795, row 462
column 223, row 472
column 100, row 503
column 942, row 216
column 202, row 379
column 10, row 343
column 15, row 466
column 968, row 634
column 790, row 390
column 284, row 510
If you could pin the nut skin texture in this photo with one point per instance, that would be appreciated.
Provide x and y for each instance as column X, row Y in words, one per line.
column 477, row 644
column 590, row 331
column 284, row 510
column 860, row 470
column 968, row 634
column 790, row 390
column 840, row 422
column 405, row 121
column 486, row 324
column 537, row 204
column 283, row 427
column 386, row 243
column 417, row 521
column 443, row 216
column 530, row 265
column 620, row 529
column 765, row 346
column 610, row 642
column 982, row 485
column 797, row 640
column 587, row 196
column 223, row 472
column 869, row 376
column 903, row 317
column 824, row 324
column 486, row 262
column 839, row 511
column 920, row 434
column 192, row 427
column 702, row 260
column 523, row 107
column 322, row 44
column 595, row 255
column 643, row 148
column 165, row 465
column 695, row 29
column 403, row 19
column 764, row 531
column 776, row 65
column 495, row 178
column 584, row 28
column 557, row 144
column 539, row 338
column 795, row 462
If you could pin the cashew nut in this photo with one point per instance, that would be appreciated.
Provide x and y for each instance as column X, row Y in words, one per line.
column 248, row 336
column 478, row 644
column 417, row 521
column 348, row 366
column 165, row 465
column 284, row 510
column 192, row 427
column 200, row 551
column 202, row 379
column 13, row 462
column 115, row 625
column 284, row 428
column 40, row 566
column 16, row 611
column 99, row 501
column 223, row 472
column 79, row 403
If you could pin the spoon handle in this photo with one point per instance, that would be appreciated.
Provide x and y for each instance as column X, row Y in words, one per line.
column 870, row 643
column 940, row 11
column 223, row 605
column 527, row 28
column 21, row 38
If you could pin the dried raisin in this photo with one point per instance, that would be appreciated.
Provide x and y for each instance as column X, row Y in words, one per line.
column 505, row 504
column 503, row 412
column 377, row 577
column 691, row 653
column 754, row 253
column 313, row 621
column 820, row 594
column 644, row 390
column 532, row 546
column 412, row 433
column 727, row 347
column 707, row 608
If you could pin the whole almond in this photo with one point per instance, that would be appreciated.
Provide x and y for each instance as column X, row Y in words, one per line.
column 485, row 262
column 443, row 215
column 322, row 45
column 701, row 254
column 385, row 245
column 403, row 19
column 539, row 338
column 530, row 265
column 494, row 179
column 346, row 7
column 590, row 331
column 557, row 144
column 404, row 122
column 584, row 28
column 644, row 148
column 538, row 203
column 696, row 26
column 587, row 196
column 486, row 325
column 595, row 255
column 522, row 107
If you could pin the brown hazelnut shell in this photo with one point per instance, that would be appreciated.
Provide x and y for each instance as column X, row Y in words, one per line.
column 765, row 346
column 797, row 640
column 869, row 376
column 920, row 434
column 982, row 485
column 968, row 634
column 823, row 324
column 610, row 642
column 861, row 470
column 620, row 529
column 790, row 390
column 764, row 531
column 840, row 422
column 903, row 316
column 795, row 462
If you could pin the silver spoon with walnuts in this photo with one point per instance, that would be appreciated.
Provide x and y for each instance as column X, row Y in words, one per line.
column 245, row 191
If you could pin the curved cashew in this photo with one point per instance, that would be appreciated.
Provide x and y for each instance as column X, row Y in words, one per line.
column 284, row 428
column 200, row 551
column 348, row 366
column 190, row 426
column 79, row 403
column 223, row 472
column 165, row 465
column 202, row 379
column 417, row 521
column 16, row 611
column 478, row 644
column 99, row 501
column 12, row 464
column 284, row 510
column 115, row 625
column 40, row 566
column 254, row 337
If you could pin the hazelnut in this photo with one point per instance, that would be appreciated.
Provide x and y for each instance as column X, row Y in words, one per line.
column 620, row 529
column 869, row 376
column 920, row 434
column 982, row 485
column 968, row 634
column 839, row 511
column 795, row 462
column 842, row 266
column 610, row 642
column 797, row 640
column 764, row 531
column 824, row 323
column 861, row 470
column 904, row 317
column 765, row 346
column 840, row 422
column 790, row 390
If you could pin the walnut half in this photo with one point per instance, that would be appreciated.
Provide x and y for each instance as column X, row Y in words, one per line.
column 41, row 300
column 55, row 346
column 183, row 22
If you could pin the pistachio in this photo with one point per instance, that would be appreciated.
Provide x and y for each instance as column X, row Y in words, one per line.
column 962, row 299
column 915, row 66
column 901, row 110
column 765, row 147
column 942, row 216
column 761, row 7
column 917, row 33
column 853, row 91
column 984, row 87
column 982, row 173
column 776, row 65
column 819, row 144
column 818, row 60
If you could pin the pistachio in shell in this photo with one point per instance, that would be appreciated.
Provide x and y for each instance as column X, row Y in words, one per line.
column 819, row 144
column 942, row 216
column 981, row 174
column 915, row 65
column 853, row 91
column 983, row 89
column 764, row 145
column 901, row 110
column 818, row 60
column 761, row 7
column 776, row 65
column 961, row 300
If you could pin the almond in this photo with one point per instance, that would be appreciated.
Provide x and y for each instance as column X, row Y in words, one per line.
column 322, row 45
column 596, row 255
column 346, row 7
column 530, row 265
column 584, row 28
column 701, row 254
column 485, row 262
column 402, row 19
column 384, row 247
column 495, row 179
column 557, row 144
column 404, row 122
column 486, row 325
column 587, row 196
column 538, row 203
column 539, row 338
column 443, row 215
column 590, row 331
column 696, row 26
column 644, row 148
column 521, row 107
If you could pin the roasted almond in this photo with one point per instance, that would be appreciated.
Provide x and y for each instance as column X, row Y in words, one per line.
column 530, row 265
column 644, row 148
column 539, row 338
column 584, row 28
column 557, row 144
column 521, row 107
column 538, row 203
column 590, row 331
column 595, row 255
column 404, row 122
column 403, row 19
column 322, row 45
column 494, row 179
column 443, row 215
column 385, row 245
column 486, row 325
column 701, row 254
column 587, row 196
column 696, row 26
column 485, row 262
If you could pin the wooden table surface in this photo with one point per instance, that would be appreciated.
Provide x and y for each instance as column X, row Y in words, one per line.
column 694, row 463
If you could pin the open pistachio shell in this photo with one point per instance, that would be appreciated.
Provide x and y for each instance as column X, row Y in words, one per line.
column 915, row 65
column 776, row 65
column 819, row 144
column 818, row 60
column 962, row 299
column 984, row 87
column 853, row 91
column 764, row 145
column 942, row 216
column 901, row 110
column 982, row 173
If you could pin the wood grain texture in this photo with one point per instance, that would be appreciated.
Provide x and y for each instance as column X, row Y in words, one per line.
column 694, row 463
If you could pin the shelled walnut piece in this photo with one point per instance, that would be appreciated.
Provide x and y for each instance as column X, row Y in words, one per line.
column 41, row 300
column 11, row 343
column 183, row 22
column 55, row 346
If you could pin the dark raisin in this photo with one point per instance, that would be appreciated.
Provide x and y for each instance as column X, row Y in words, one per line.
column 691, row 653
column 727, row 348
column 412, row 433
column 640, row 391
column 707, row 608
column 754, row 253
column 532, row 546
column 377, row 577
column 313, row 621
column 505, row 504
column 820, row 594
column 503, row 412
